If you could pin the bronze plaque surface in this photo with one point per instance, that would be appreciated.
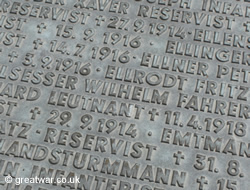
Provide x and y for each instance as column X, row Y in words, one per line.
column 124, row 94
